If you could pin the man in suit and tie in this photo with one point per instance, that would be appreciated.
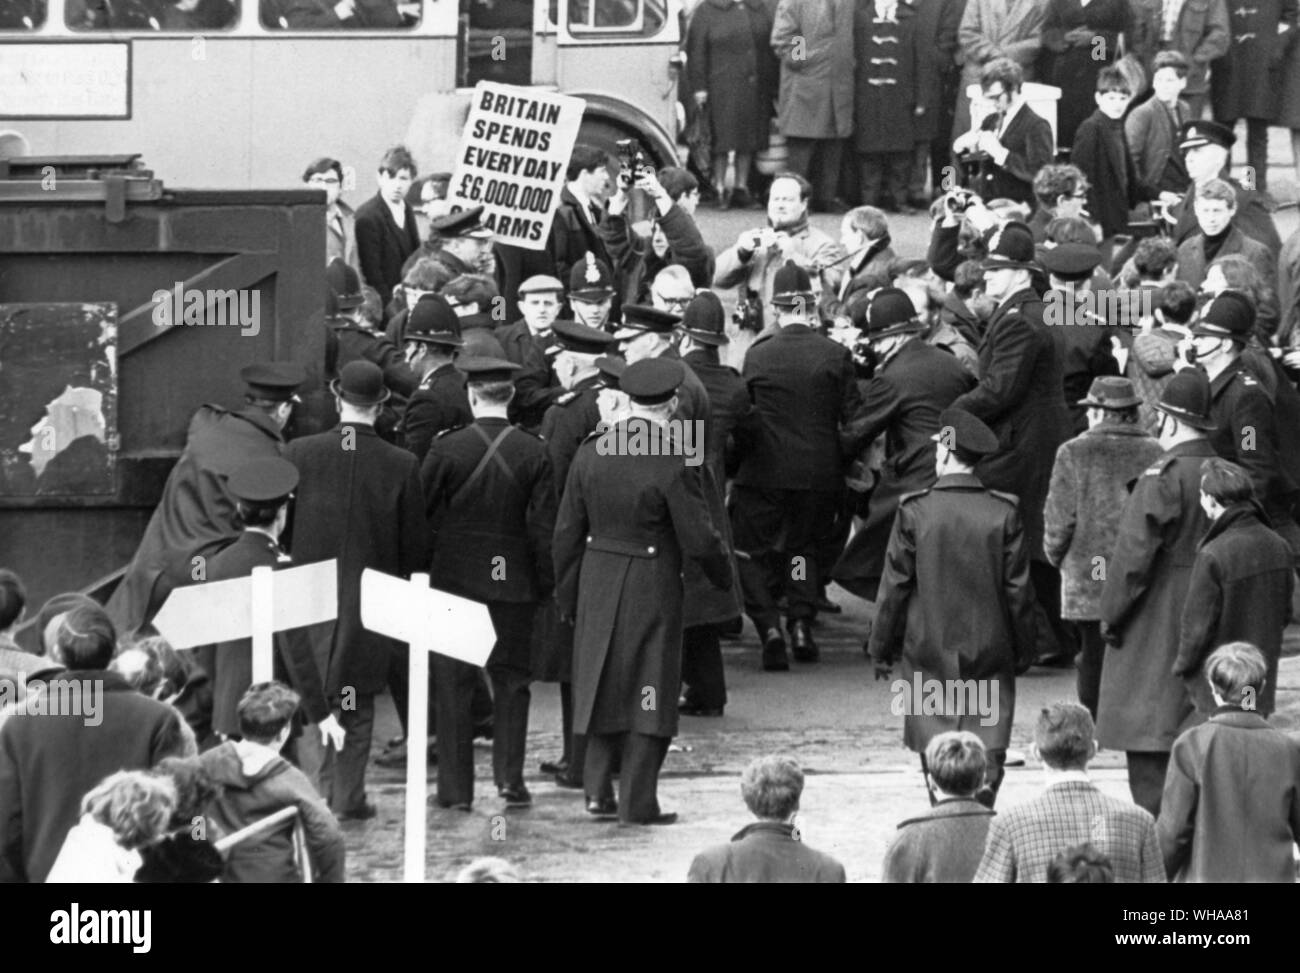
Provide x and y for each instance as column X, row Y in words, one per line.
column 359, row 501
column 340, row 220
column 574, row 231
column 1024, row 840
column 386, row 230
column 1017, row 141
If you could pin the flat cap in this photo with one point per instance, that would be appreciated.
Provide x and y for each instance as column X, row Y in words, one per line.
column 433, row 321
column 274, row 381
column 651, row 381
column 488, row 369
column 641, row 318
column 467, row 222
column 263, row 481
column 1071, row 261
column 1230, row 315
column 575, row 336
column 541, row 284
column 958, row 429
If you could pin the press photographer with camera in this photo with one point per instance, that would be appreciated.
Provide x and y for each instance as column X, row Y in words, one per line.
column 574, row 232
column 673, row 238
column 958, row 231
column 751, row 264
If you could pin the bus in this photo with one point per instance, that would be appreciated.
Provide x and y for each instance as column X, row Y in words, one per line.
column 241, row 94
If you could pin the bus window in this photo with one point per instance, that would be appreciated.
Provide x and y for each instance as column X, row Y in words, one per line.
column 642, row 17
column 340, row 14
column 21, row 14
column 496, row 42
column 164, row 15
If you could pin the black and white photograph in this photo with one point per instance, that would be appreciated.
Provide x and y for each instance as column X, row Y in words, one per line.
column 651, row 441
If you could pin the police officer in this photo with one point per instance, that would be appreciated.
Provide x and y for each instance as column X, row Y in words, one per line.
column 789, row 487
column 195, row 516
column 572, row 418
column 1143, row 706
column 1246, row 427
column 491, row 505
column 629, row 520
column 913, row 383
column 432, row 339
column 262, row 490
column 591, row 292
column 350, row 338
column 465, row 243
column 955, row 599
column 526, row 342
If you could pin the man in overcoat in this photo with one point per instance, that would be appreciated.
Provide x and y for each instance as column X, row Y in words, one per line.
column 359, row 501
column 628, row 521
column 913, row 383
column 956, row 603
column 1143, row 706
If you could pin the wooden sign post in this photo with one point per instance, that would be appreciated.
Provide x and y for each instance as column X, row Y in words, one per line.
column 420, row 616
column 255, row 607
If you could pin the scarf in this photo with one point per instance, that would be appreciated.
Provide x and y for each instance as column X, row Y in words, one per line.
column 1170, row 13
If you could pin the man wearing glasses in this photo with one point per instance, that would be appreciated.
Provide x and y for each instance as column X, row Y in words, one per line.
column 340, row 221
column 1011, row 143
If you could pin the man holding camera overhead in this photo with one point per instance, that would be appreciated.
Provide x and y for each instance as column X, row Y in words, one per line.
column 753, row 262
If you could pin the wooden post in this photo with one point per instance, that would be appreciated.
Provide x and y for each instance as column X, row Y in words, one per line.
column 263, row 624
column 417, row 737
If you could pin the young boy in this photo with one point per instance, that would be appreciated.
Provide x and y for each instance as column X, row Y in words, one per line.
column 256, row 782
column 1151, row 128
column 1099, row 147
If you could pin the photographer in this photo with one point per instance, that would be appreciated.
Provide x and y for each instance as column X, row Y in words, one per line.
column 673, row 239
column 957, row 234
column 1011, row 143
column 758, row 253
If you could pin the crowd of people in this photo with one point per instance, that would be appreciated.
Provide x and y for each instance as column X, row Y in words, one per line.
column 1067, row 434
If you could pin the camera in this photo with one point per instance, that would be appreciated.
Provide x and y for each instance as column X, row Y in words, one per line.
column 632, row 160
column 958, row 201
column 748, row 315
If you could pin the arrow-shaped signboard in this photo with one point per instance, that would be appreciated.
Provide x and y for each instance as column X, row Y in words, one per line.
column 414, row 613
column 257, row 606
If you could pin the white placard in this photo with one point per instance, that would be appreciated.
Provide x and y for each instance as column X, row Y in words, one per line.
column 512, row 159
column 73, row 80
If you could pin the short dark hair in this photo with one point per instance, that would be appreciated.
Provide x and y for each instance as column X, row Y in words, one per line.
column 1171, row 59
column 471, row 289
column 1064, row 735
column 59, row 604
column 1220, row 190
column 13, row 596
column 1154, row 256
column 396, row 159
column 1080, row 864
column 266, row 709
column 194, row 787
column 428, row 274
column 1226, row 482
column 86, row 638
column 1004, row 70
column 805, row 187
column 1177, row 302
column 256, row 514
column 677, row 182
column 1055, row 180
column 1069, row 229
column 967, row 278
column 494, row 392
column 1112, row 79
column 584, row 159
column 323, row 164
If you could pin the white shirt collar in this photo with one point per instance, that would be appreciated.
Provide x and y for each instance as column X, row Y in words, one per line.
column 582, row 198
column 1054, row 777
column 399, row 212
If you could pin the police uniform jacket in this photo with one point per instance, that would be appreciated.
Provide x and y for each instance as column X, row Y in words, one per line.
column 733, row 413
column 1248, row 433
column 354, row 342
column 1019, row 397
column 956, row 603
column 229, row 665
column 492, row 516
column 196, row 515
column 902, row 401
column 1240, row 591
column 439, row 404
column 626, row 525
column 1143, row 705
column 803, row 387
column 358, row 500
column 566, row 424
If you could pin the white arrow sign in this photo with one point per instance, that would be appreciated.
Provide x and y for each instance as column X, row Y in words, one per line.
column 257, row 606
column 414, row 613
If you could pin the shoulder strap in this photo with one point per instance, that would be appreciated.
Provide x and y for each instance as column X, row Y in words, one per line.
column 493, row 445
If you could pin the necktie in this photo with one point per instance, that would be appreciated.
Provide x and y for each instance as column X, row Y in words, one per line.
column 594, row 210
